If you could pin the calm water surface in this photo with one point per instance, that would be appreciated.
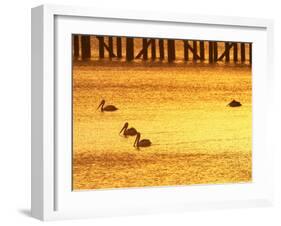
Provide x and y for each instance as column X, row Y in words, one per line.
column 180, row 107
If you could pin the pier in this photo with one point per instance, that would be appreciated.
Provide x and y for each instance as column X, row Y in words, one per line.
column 170, row 50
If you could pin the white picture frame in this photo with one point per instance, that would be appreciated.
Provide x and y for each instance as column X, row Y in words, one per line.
column 52, row 197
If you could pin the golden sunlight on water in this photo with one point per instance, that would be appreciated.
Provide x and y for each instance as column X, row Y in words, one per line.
column 181, row 108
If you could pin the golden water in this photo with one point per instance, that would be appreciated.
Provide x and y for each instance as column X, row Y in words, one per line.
column 181, row 108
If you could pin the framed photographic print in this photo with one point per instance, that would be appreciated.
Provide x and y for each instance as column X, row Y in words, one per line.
column 137, row 113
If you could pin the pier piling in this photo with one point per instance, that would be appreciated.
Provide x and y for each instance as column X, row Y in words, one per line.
column 211, row 52
column 129, row 49
column 226, row 46
column 235, row 50
column 101, row 46
column 185, row 47
column 119, row 47
column 110, row 47
column 242, row 49
column 161, row 49
column 153, row 49
column 195, row 50
column 250, row 53
column 202, row 51
column 171, row 50
column 215, row 46
column 86, row 46
column 76, row 45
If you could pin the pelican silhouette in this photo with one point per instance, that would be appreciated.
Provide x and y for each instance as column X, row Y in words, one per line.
column 234, row 103
column 141, row 143
column 128, row 132
column 106, row 108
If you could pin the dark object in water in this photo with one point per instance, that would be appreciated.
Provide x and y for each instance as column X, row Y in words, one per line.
column 128, row 132
column 106, row 108
column 234, row 103
column 141, row 143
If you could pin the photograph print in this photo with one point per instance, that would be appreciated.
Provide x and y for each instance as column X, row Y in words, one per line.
column 152, row 112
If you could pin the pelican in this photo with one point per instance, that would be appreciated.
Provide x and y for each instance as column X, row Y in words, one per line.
column 141, row 143
column 234, row 103
column 106, row 108
column 128, row 132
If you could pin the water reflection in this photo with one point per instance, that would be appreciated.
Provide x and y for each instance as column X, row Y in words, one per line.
column 180, row 108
